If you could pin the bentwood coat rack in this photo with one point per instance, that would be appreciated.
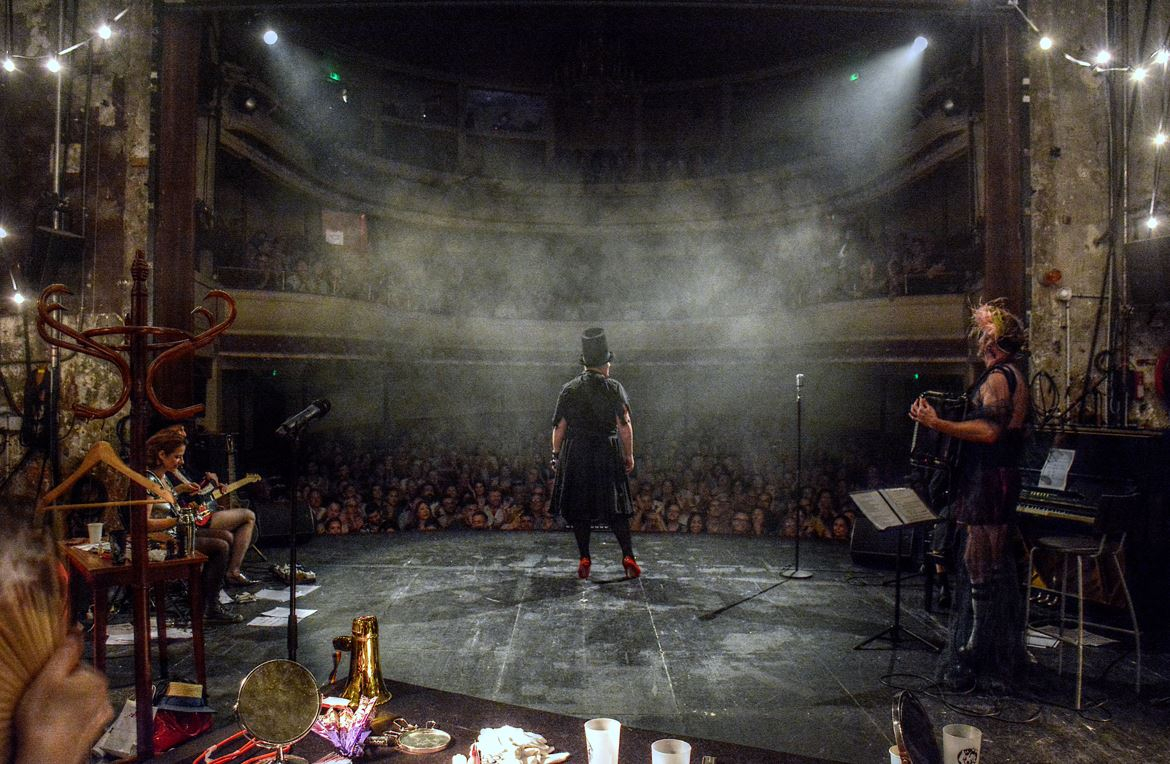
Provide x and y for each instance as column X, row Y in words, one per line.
column 137, row 350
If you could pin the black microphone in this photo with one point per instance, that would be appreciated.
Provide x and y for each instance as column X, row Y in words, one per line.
column 294, row 423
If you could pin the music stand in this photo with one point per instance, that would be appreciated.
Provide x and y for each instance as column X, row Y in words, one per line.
column 897, row 508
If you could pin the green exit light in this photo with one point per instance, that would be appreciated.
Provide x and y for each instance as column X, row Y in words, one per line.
column 915, row 375
column 335, row 76
column 854, row 77
column 274, row 373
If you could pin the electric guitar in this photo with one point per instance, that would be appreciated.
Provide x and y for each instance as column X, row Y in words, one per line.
column 203, row 501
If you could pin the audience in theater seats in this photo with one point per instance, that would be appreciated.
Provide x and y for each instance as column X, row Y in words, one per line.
column 813, row 261
column 434, row 476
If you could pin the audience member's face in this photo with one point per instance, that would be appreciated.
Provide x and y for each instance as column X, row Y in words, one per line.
column 333, row 527
column 840, row 529
column 695, row 524
column 495, row 498
column 478, row 520
column 740, row 523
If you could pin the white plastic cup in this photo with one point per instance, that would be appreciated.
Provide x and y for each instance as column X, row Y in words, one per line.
column 895, row 757
column 670, row 751
column 95, row 532
column 961, row 744
column 602, row 738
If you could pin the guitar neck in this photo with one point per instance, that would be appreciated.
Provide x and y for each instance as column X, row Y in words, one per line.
column 247, row 480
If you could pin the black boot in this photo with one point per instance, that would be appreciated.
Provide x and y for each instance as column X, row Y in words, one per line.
column 944, row 591
column 979, row 638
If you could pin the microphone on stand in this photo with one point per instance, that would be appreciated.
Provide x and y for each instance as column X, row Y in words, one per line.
column 795, row 571
column 294, row 423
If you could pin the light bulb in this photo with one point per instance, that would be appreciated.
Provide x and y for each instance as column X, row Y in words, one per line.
column 3, row 232
column 1151, row 222
column 1103, row 57
column 9, row 64
column 1160, row 138
column 1138, row 74
column 53, row 65
column 919, row 45
column 270, row 37
column 104, row 31
column 1162, row 57
column 1045, row 43
column 17, row 298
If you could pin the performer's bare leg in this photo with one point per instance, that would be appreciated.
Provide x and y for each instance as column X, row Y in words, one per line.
column 241, row 523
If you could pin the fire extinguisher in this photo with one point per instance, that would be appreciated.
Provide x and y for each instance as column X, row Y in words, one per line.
column 1162, row 376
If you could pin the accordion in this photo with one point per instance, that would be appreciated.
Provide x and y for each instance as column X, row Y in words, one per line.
column 930, row 448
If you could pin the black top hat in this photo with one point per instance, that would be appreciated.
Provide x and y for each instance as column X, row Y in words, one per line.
column 594, row 349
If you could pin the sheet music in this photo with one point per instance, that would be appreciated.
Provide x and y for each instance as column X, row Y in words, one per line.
column 1054, row 475
column 875, row 509
column 907, row 506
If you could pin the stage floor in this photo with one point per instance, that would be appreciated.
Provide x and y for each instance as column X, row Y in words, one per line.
column 502, row 616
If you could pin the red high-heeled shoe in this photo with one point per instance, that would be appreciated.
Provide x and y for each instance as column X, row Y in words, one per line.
column 583, row 567
column 631, row 566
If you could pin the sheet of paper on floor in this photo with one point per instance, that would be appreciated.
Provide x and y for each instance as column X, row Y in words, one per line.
column 281, row 595
column 123, row 633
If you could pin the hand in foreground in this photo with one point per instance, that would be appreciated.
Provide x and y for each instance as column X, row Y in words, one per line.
column 923, row 413
column 64, row 711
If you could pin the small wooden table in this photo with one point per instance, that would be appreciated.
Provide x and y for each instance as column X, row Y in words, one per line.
column 101, row 574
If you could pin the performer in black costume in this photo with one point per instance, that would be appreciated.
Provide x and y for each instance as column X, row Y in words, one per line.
column 593, row 452
column 986, row 642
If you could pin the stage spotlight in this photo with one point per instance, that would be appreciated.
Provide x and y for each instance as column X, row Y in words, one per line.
column 1151, row 222
column 3, row 232
column 250, row 103
column 18, row 298
column 1103, row 57
column 919, row 45
column 1138, row 74
column 53, row 65
column 104, row 31
column 1162, row 57
column 270, row 37
column 1160, row 138
column 1045, row 43
column 9, row 64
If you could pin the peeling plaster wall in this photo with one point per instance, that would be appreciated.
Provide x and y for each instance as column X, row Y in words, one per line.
column 1070, row 197
column 112, row 213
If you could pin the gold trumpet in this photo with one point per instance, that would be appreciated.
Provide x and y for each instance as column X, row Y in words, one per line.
column 365, row 665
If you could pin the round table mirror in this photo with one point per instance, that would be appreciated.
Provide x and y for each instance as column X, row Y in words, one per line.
column 278, row 703
column 913, row 731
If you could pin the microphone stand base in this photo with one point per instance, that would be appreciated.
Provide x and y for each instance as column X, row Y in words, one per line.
column 795, row 573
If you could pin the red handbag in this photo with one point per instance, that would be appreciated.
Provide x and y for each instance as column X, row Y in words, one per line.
column 174, row 727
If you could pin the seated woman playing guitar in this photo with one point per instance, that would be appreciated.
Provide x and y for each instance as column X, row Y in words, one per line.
column 164, row 452
column 235, row 526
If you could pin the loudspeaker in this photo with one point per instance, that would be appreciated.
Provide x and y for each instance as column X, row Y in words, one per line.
column 1148, row 269
column 272, row 523
column 869, row 546
column 56, row 258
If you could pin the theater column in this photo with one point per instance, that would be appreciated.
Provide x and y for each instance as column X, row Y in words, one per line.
column 174, row 245
column 1003, row 242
